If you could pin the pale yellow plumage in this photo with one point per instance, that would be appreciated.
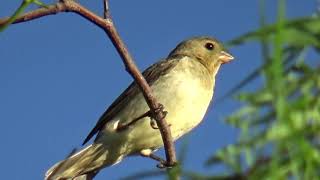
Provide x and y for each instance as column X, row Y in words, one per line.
column 183, row 83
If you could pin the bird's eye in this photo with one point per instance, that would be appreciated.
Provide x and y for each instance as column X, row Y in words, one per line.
column 209, row 46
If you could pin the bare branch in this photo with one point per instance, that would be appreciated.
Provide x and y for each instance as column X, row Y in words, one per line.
column 52, row 9
column 108, row 26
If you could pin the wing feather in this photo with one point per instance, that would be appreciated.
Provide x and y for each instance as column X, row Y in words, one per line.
column 151, row 75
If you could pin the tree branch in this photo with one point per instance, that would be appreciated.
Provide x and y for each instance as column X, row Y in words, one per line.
column 107, row 25
column 35, row 14
column 106, row 12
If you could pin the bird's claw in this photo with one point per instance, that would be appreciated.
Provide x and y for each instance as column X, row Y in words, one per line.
column 161, row 166
column 165, row 113
column 164, row 164
column 159, row 108
column 153, row 124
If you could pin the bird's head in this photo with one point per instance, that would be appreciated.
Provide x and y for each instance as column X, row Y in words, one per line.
column 208, row 51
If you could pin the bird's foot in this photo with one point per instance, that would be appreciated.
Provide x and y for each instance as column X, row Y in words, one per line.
column 153, row 122
column 162, row 163
column 159, row 109
column 165, row 165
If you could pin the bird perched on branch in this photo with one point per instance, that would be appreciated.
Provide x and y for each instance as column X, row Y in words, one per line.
column 183, row 83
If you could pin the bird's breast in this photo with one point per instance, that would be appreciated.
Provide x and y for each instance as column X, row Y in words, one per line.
column 185, row 93
column 185, row 98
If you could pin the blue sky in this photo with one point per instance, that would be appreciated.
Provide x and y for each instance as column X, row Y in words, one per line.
column 58, row 74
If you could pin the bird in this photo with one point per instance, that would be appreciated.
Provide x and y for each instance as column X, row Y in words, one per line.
column 183, row 83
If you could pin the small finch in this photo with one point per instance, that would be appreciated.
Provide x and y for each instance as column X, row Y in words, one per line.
column 183, row 83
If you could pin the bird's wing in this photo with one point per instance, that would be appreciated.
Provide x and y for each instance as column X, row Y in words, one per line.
column 151, row 75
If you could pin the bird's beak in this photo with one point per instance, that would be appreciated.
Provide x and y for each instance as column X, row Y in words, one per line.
column 225, row 57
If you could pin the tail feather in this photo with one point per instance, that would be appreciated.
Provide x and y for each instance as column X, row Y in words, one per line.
column 85, row 161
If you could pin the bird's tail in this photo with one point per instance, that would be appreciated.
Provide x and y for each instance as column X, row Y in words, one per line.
column 87, row 160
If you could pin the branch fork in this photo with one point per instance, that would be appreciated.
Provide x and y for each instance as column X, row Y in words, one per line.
column 106, row 24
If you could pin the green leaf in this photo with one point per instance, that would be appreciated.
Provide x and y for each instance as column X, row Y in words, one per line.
column 19, row 11
column 309, row 24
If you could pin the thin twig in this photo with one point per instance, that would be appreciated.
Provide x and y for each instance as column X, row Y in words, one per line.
column 106, row 12
column 108, row 26
column 38, row 13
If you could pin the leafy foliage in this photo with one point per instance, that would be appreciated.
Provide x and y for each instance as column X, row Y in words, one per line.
column 280, row 121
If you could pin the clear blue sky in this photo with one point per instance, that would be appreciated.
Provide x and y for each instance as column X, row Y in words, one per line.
column 58, row 74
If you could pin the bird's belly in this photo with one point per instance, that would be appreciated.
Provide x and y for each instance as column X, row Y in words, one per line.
column 187, row 107
column 186, row 102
